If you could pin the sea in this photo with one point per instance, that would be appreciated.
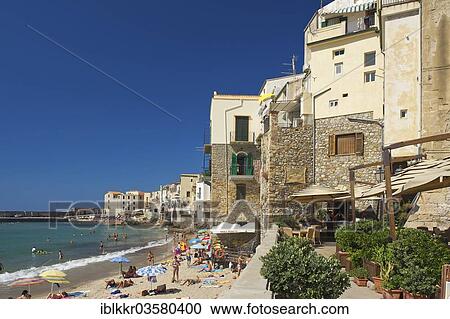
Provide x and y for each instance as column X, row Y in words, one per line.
column 80, row 246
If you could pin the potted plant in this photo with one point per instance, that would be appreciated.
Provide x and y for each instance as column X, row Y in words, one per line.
column 360, row 276
column 295, row 270
column 388, row 283
column 391, row 288
column 418, row 261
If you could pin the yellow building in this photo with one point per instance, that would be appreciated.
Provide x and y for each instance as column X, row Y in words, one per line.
column 188, row 184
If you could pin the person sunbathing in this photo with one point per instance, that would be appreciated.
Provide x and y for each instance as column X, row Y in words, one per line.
column 58, row 296
column 130, row 273
column 24, row 295
column 189, row 282
column 125, row 283
column 110, row 283
column 209, row 267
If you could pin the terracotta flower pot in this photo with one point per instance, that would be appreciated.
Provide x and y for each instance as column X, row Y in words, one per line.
column 410, row 295
column 392, row 294
column 347, row 263
column 372, row 267
column 361, row 282
column 342, row 256
column 377, row 282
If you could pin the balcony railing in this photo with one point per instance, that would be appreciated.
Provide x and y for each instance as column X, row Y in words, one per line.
column 241, row 170
column 242, row 138
column 387, row 3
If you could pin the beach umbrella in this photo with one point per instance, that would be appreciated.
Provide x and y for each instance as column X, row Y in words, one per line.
column 26, row 282
column 54, row 276
column 52, row 273
column 120, row 260
column 194, row 241
column 198, row 246
column 151, row 271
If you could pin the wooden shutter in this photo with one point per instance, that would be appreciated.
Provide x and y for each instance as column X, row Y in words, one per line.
column 359, row 137
column 233, row 164
column 249, row 164
column 332, row 144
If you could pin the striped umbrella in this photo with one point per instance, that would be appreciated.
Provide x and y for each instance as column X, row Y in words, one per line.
column 151, row 271
column 26, row 282
column 54, row 276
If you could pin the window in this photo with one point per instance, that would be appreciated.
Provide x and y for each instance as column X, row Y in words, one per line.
column 346, row 144
column 241, row 128
column 338, row 68
column 338, row 52
column 403, row 113
column 369, row 58
column 241, row 191
column 345, row 95
column 331, row 21
column 241, row 164
column 266, row 123
column 188, row 194
column 369, row 76
column 333, row 103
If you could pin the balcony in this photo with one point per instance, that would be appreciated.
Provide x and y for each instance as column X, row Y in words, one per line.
column 387, row 3
column 342, row 28
column 242, row 138
column 241, row 172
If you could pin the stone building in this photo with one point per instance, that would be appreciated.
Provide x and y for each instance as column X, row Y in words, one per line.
column 343, row 91
column 285, row 144
column 234, row 124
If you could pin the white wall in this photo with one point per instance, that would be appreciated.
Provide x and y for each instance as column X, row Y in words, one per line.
column 402, row 75
column 232, row 106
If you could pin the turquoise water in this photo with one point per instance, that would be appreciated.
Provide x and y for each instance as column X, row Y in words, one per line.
column 80, row 246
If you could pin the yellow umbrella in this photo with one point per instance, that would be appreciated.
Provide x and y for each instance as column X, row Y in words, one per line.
column 58, row 281
column 54, row 276
column 52, row 273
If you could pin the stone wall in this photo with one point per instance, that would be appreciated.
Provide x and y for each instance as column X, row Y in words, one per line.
column 332, row 170
column 436, row 74
column 223, row 190
column 286, row 158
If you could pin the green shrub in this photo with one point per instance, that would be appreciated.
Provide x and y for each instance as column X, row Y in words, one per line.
column 418, row 258
column 359, row 272
column 295, row 270
column 361, row 240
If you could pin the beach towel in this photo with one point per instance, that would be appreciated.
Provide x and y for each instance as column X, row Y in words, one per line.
column 77, row 294
column 115, row 292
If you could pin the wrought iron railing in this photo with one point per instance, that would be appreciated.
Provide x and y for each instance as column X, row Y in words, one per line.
column 241, row 169
column 386, row 3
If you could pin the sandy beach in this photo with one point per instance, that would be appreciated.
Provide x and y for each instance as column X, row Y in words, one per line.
column 96, row 289
column 91, row 280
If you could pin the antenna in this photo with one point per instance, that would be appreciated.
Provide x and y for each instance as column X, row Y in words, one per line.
column 293, row 70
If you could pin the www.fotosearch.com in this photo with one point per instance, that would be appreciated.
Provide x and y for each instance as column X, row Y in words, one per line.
column 147, row 308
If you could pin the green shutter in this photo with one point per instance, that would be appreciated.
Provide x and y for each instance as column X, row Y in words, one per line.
column 233, row 164
column 249, row 164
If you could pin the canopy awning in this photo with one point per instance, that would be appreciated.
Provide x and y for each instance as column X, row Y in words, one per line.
column 423, row 176
column 286, row 105
column 265, row 97
column 348, row 6
column 228, row 228
column 317, row 193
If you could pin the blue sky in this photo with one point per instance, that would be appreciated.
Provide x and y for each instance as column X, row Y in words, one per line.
column 68, row 132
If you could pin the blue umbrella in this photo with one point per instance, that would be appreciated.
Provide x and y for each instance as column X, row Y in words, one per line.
column 151, row 271
column 199, row 246
column 194, row 241
column 120, row 260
